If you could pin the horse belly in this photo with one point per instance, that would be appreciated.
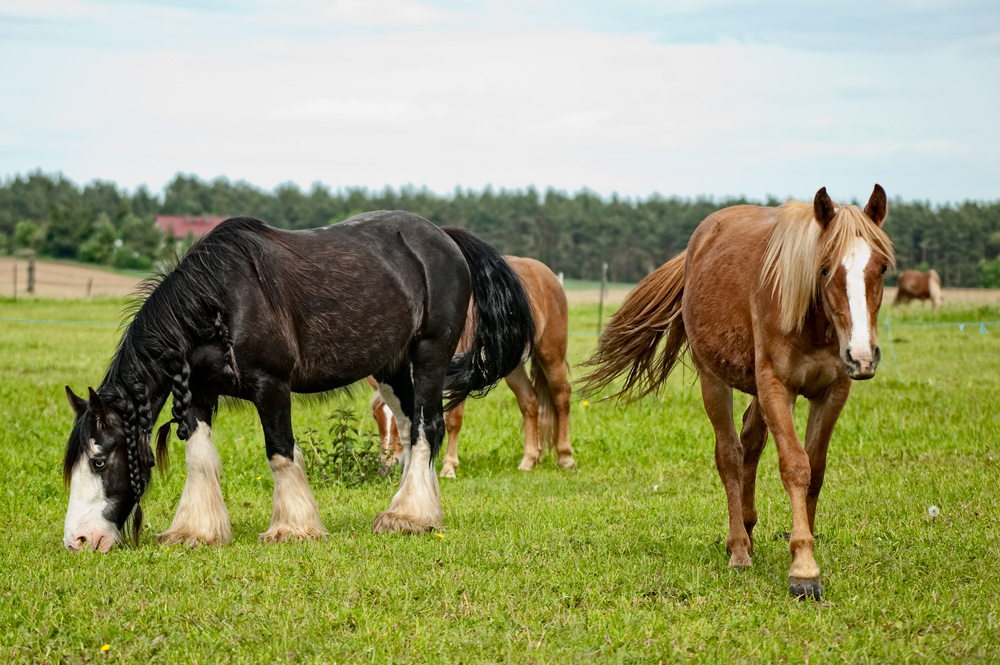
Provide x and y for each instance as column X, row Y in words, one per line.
column 716, row 302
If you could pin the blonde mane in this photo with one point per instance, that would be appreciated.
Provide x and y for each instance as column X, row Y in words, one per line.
column 798, row 247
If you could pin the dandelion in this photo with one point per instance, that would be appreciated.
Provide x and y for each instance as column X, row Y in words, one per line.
column 105, row 647
column 258, row 477
column 933, row 511
column 439, row 535
column 584, row 403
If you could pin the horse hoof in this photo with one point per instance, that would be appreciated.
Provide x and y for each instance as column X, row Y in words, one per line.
column 567, row 463
column 526, row 465
column 805, row 587
column 390, row 522
column 740, row 561
column 448, row 472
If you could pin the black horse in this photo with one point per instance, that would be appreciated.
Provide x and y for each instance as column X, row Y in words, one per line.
column 258, row 313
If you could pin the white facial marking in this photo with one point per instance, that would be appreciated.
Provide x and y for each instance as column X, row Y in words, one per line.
column 85, row 515
column 857, row 299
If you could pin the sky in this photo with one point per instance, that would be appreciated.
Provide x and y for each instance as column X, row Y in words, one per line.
column 690, row 98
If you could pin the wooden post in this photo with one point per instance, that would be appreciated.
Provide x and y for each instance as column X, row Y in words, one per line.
column 31, row 271
column 90, row 283
column 600, row 304
column 15, row 281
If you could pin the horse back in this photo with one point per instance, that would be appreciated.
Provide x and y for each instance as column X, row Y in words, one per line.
column 334, row 304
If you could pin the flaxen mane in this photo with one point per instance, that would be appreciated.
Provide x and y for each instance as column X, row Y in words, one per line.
column 798, row 248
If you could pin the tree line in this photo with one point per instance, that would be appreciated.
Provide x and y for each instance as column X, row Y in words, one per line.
column 573, row 234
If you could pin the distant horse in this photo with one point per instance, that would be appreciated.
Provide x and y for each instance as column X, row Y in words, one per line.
column 916, row 285
column 775, row 302
column 258, row 313
column 543, row 398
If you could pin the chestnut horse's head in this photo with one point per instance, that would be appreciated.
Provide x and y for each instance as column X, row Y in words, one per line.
column 105, row 481
column 855, row 253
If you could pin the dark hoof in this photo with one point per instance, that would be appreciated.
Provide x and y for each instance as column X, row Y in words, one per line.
column 805, row 587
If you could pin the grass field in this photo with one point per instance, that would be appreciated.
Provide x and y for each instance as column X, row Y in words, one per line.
column 622, row 560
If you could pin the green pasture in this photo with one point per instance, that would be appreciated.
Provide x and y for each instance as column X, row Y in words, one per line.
column 622, row 560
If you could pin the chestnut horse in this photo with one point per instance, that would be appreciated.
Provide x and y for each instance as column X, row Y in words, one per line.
column 775, row 302
column 543, row 398
column 916, row 285
column 258, row 313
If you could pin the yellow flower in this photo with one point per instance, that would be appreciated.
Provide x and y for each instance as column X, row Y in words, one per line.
column 258, row 477
column 105, row 647
column 439, row 534
column 584, row 402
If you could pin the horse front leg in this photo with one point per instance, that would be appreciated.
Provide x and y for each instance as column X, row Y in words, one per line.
column 777, row 404
column 718, row 400
column 201, row 518
column 823, row 414
column 295, row 514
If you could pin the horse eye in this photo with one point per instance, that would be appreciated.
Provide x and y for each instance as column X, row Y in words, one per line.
column 825, row 272
column 98, row 464
column 883, row 269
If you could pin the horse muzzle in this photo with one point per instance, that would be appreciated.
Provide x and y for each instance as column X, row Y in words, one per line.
column 94, row 540
column 860, row 369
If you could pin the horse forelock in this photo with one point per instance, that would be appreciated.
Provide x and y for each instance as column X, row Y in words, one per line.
column 797, row 247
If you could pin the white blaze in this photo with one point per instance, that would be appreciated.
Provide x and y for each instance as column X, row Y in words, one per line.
column 85, row 515
column 855, row 262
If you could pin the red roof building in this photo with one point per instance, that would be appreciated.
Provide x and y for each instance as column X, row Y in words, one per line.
column 179, row 226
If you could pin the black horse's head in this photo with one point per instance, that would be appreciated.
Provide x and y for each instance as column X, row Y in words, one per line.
column 104, row 475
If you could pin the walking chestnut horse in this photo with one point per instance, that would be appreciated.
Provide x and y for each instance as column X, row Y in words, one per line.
column 916, row 285
column 257, row 313
column 776, row 303
column 543, row 398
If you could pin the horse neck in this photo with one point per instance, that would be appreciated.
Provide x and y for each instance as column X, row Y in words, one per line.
column 127, row 370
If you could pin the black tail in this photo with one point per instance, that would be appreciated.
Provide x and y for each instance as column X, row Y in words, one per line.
column 503, row 330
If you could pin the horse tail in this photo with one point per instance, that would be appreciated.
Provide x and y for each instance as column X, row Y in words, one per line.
column 547, row 430
column 631, row 343
column 502, row 333
column 934, row 286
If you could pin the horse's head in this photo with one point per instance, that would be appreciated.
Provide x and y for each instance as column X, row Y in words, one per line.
column 96, row 468
column 855, row 257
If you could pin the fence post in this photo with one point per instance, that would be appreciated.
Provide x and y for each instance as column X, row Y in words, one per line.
column 600, row 304
column 15, row 281
column 31, row 271
column 90, row 283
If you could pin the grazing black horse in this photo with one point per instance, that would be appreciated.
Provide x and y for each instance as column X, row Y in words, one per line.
column 258, row 313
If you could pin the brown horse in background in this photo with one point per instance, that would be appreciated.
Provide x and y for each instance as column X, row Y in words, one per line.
column 775, row 302
column 916, row 285
column 543, row 398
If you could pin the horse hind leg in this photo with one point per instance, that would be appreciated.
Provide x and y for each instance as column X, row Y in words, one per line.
column 453, row 425
column 554, row 392
column 718, row 401
column 753, row 437
column 416, row 507
column 201, row 518
column 527, row 403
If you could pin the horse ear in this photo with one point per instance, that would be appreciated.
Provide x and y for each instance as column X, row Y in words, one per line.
column 98, row 408
column 78, row 403
column 877, row 207
column 823, row 208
